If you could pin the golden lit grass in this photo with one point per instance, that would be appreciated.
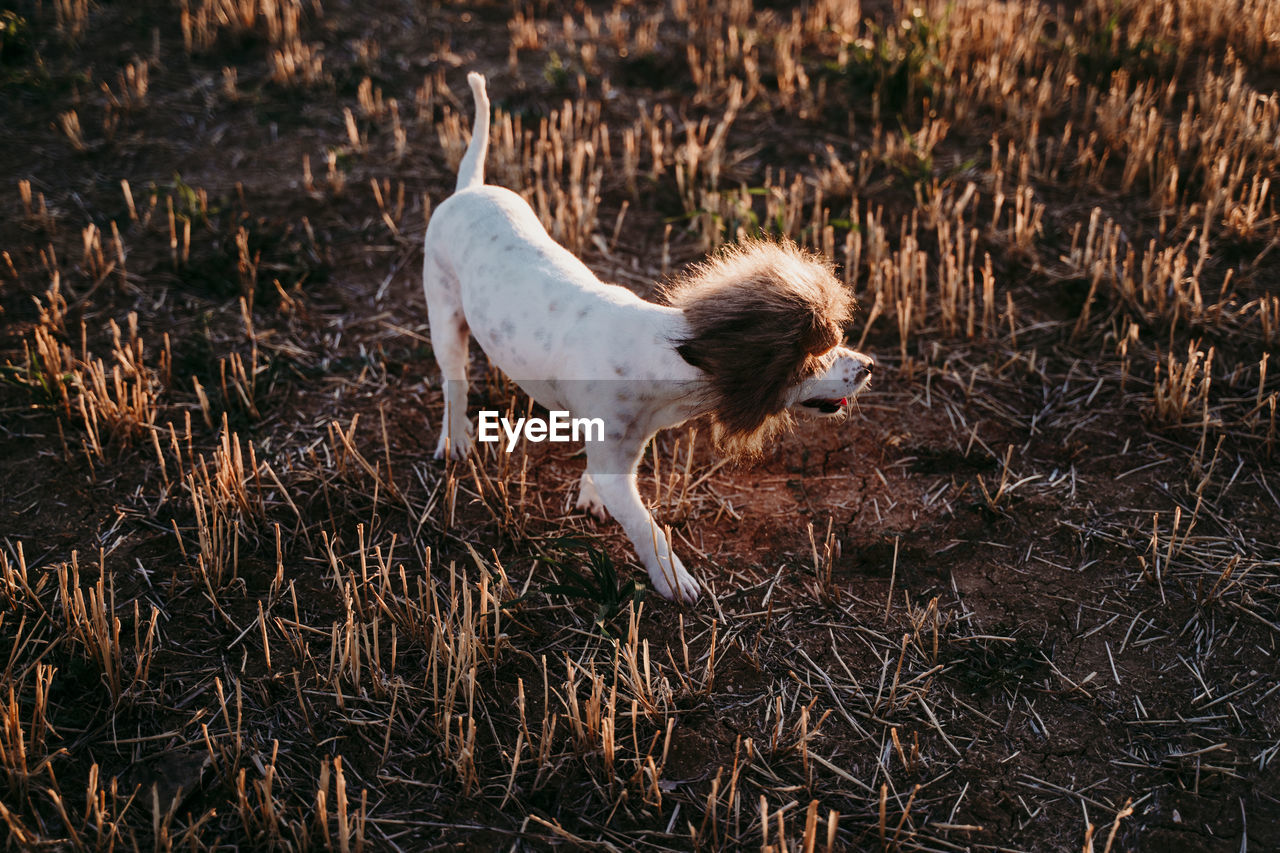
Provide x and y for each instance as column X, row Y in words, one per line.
column 293, row 62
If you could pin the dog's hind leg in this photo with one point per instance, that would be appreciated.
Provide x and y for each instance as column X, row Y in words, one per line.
column 589, row 498
column 450, row 341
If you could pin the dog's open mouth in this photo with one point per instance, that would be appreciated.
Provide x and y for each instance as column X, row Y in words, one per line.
column 826, row 405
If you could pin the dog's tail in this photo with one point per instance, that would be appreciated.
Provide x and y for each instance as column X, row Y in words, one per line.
column 471, row 172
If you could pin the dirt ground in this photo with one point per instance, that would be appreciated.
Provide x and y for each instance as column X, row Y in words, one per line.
column 1024, row 598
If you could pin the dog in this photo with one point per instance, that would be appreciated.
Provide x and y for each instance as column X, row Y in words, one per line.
column 746, row 338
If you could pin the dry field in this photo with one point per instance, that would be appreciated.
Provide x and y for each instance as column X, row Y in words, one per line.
column 1026, row 598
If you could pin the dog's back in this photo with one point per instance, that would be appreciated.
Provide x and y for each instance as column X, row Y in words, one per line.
column 488, row 254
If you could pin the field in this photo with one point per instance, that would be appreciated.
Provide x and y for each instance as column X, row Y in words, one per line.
column 1026, row 598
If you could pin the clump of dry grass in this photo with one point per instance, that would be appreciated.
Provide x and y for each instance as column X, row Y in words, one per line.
column 88, row 615
column 114, row 405
column 72, row 16
column 1183, row 389
column 121, row 406
column 293, row 61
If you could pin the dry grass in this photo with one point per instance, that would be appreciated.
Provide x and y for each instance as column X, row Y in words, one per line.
column 1025, row 599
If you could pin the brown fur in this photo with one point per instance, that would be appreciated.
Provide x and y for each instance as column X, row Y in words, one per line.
column 759, row 315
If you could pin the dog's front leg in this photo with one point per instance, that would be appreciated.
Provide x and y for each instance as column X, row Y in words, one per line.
column 615, row 485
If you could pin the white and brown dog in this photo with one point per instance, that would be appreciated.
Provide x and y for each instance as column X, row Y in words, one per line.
column 745, row 338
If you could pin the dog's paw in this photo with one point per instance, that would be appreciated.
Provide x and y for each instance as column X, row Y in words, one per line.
column 671, row 579
column 453, row 449
column 589, row 499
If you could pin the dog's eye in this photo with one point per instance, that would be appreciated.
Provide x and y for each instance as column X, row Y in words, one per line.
column 821, row 339
column 822, row 360
column 812, row 366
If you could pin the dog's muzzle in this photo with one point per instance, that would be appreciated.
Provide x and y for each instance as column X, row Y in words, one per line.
column 830, row 397
column 826, row 407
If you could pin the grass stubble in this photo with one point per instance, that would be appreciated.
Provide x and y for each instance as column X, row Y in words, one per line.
column 1025, row 600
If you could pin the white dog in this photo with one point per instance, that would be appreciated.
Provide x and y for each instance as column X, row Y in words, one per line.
column 745, row 338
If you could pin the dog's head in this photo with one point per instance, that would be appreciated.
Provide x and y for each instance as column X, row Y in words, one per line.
column 764, row 325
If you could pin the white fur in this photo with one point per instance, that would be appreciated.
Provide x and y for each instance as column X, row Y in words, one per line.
column 492, row 271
